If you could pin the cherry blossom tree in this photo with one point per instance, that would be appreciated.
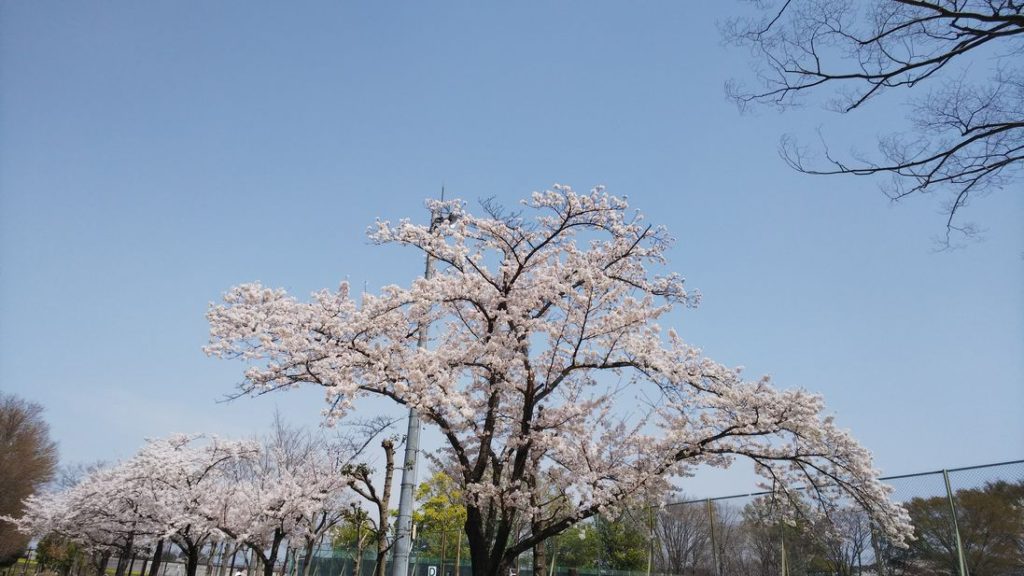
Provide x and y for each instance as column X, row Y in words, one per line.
column 171, row 490
column 197, row 491
column 184, row 482
column 294, row 491
column 98, row 513
column 546, row 366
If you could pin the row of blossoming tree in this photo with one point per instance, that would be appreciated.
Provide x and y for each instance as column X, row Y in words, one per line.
column 545, row 371
column 208, row 496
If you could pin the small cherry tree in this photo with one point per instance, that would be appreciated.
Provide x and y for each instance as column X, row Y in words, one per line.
column 92, row 514
column 546, row 367
column 184, row 479
column 295, row 490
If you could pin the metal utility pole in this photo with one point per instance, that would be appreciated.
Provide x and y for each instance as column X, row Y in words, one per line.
column 403, row 527
column 714, row 545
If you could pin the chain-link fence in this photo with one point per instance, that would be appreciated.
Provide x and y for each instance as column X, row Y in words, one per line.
column 967, row 522
column 83, row 564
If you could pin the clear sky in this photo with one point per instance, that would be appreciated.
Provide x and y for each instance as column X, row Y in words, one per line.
column 154, row 154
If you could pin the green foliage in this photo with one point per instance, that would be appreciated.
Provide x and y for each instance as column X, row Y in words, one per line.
column 991, row 523
column 355, row 532
column 577, row 548
column 620, row 544
column 56, row 553
column 440, row 515
column 624, row 543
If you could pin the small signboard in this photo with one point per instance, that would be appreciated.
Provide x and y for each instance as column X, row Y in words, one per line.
column 431, row 570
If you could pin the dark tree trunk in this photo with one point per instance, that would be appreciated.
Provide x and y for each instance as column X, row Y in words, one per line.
column 487, row 564
column 478, row 550
column 158, row 552
column 124, row 557
column 269, row 561
column 307, row 561
column 192, row 560
column 100, row 563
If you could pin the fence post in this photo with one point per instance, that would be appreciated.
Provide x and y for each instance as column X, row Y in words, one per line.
column 714, row 544
column 956, row 526
column 783, row 557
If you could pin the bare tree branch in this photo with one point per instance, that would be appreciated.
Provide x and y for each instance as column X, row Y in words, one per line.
column 967, row 134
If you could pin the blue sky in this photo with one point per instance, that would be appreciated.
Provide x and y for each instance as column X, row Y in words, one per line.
column 154, row 154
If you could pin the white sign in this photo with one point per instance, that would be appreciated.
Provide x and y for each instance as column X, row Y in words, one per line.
column 431, row 570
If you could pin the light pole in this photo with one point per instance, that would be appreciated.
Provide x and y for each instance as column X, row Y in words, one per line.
column 403, row 527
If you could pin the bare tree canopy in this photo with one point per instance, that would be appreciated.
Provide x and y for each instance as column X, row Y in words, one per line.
column 967, row 120
column 28, row 459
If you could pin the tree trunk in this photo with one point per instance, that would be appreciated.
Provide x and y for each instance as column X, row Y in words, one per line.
column 382, row 508
column 540, row 560
column 307, row 562
column 268, row 564
column 458, row 554
column 123, row 557
column 485, row 564
column 100, row 563
column 444, row 545
column 268, row 567
column 289, row 554
column 357, row 564
column 214, row 552
column 231, row 567
column 192, row 560
column 158, row 553
column 380, row 568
